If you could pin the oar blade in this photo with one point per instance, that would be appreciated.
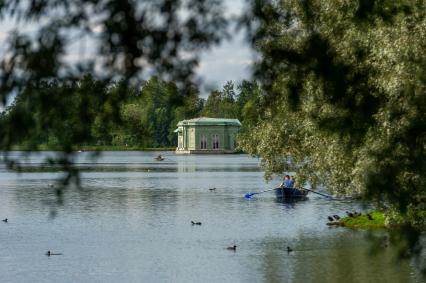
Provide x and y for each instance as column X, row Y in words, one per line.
column 248, row 195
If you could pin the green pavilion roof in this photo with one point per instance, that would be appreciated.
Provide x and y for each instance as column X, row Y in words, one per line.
column 203, row 121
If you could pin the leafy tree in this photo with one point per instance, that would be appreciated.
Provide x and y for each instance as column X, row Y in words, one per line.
column 243, row 104
column 134, row 130
column 74, row 104
column 212, row 106
column 108, row 115
column 249, row 101
column 156, row 101
column 345, row 84
column 221, row 104
column 190, row 108
column 228, row 92
column 150, row 117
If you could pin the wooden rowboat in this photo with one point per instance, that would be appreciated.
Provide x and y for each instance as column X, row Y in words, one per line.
column 288, row 193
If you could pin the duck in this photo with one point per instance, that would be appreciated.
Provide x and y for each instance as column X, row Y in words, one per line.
column 331, row 219
column 195, row 223
column 49, row 253
column 232, row 248
column 350, row 214
column 337, row 217
column 159, row 158
column 5, row 220
column 212, row 189
column 369, row 216
column 289, row 250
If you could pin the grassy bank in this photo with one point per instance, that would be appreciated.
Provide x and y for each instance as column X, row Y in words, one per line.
column 94, row 148
column 362, row 221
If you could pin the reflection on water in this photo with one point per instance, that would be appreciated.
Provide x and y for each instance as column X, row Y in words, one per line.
column 335, row 259
column 134, row 226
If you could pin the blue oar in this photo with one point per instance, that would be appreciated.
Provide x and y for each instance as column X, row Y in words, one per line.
column 250, row 195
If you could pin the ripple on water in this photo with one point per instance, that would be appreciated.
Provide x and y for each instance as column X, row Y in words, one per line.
column 131, row 222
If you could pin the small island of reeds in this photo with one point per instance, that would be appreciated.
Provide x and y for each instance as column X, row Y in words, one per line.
column 373, row 219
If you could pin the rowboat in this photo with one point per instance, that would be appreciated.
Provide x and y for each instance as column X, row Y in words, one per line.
column 288, row 193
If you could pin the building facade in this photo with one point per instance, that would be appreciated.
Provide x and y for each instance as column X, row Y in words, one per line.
column 207, row 135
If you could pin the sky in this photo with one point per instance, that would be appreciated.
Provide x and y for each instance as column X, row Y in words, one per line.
column 231, row 60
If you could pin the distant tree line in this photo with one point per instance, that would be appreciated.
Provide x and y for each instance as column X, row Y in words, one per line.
column 147, row 116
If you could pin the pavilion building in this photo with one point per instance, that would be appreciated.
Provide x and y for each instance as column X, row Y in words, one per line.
column 207, row 135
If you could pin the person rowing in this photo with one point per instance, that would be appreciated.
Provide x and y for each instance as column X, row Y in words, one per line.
column 287, row 182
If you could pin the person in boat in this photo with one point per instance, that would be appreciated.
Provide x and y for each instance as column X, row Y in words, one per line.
column 286, row 182
column 292, row 182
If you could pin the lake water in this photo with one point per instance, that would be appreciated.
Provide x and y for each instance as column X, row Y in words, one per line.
column 131, row 222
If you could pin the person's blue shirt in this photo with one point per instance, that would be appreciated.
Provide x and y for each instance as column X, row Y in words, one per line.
column 288, row 183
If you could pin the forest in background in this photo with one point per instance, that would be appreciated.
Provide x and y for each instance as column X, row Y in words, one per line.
column 146, row 118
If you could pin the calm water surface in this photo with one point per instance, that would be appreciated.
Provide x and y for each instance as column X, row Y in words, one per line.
column 131, row 223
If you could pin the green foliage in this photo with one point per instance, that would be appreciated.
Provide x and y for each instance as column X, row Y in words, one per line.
column 156, row 110
column 249, row 101
column 362, row 221
column 74, row 105
column 242, row 104
column 345, row 104
column 87, row 111
column 221, row 104
column 115, row 115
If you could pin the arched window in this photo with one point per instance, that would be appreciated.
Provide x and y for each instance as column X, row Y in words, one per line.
column 203, row 142
column 215, row 139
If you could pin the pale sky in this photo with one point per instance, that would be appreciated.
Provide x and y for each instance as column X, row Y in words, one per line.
column 231, row 60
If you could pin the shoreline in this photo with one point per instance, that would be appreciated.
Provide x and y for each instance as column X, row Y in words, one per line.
column 91, row 148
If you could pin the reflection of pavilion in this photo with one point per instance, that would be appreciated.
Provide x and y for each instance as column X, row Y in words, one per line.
column 207, row 135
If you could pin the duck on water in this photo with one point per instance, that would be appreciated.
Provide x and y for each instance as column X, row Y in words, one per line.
column 232, row 248
column 49, row 253
column 159, row 158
